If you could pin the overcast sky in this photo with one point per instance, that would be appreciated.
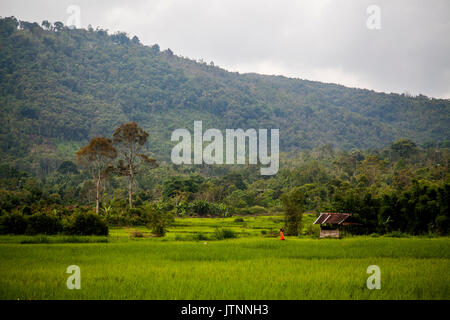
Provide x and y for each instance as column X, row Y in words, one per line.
column 321, row 40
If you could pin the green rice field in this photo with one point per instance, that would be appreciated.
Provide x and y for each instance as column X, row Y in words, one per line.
column 188, row 263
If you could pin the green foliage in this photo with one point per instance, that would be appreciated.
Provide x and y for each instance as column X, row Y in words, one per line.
column 403, row 187
column 443, row 224
column 158, row 218
column 221, row 210
column 35, row 240
column 224, row 233
column 68, row 167
column 135, row 216
column 42, row 223
column 117, row 79
column 201, row 207
column 86, row 223
column 13, row 223
column 257, row 210
column 27, row 211
column 312, row 230
column 136, row 234
column 396, row 234
column 63, row 239
column 176, row 185
column 8, row 172
column 199, row 237
column 204, row 208
column 403, row 148
column 414, row 211
column 293, row 204
column 384, row 193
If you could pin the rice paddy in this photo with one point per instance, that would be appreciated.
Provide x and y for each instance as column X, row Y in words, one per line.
column 254, row 265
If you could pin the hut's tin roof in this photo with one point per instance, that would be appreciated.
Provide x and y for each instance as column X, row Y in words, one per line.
column 332, row 218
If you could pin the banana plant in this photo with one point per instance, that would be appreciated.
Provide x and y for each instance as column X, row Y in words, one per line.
column 107, row 209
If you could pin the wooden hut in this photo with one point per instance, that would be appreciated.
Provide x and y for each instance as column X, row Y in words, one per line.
column 331, row 224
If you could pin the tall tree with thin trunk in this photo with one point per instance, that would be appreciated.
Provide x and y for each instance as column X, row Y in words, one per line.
column 129, row 139
column 293, row 202
column 97, row 157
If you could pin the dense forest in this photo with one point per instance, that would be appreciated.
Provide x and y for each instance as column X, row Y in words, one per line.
column 60, row 87
column 382, row 157
column 402, row 188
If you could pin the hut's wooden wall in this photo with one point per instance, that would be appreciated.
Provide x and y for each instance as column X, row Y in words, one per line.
column 329, row 233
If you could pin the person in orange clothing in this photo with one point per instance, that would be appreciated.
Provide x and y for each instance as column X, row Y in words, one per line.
column 281, row 234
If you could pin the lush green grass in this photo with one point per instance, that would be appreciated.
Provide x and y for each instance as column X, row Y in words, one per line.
column 188, row 229
column 249, row 267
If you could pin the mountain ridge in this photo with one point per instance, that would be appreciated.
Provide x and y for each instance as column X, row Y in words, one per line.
column 60, row 87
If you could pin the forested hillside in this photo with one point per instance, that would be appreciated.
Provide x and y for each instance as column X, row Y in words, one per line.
column 61, row 87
